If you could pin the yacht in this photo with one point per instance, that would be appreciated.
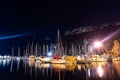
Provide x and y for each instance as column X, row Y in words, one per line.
column 57, row 60
column 59, row 52
column 70, row 60
column 31, row 58
column 96, row 58
column 45, row 59
column 80, row 60
column 115, row 59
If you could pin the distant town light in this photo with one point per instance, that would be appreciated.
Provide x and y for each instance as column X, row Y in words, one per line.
column 97, row 44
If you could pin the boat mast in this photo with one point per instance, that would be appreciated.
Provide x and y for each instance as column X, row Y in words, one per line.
column 47, row 49
column 12, row 51
column 18, row 51
column 31, row 50
column 59, row 44
column 72, row 49
column 36, row 50
column 28, row 49
column 43, row 49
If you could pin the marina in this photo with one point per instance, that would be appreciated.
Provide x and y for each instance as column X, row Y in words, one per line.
column 59, row 40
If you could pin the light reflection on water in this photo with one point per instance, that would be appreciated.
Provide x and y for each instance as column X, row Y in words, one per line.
column 100, row 71
column 32, row 70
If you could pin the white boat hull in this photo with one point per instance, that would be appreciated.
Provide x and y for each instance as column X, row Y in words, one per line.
column 57, row 61
column 97, row 58
column 45, row 59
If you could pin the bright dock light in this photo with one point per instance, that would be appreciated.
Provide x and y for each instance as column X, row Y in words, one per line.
column 49, row 54
column 97, row 44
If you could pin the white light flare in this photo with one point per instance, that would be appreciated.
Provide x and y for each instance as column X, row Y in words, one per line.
column 97, row 44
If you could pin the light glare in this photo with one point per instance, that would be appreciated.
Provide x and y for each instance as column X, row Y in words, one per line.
column 97, row 44
column 49, row 54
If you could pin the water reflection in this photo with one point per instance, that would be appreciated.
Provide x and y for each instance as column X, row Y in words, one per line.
column 79, row 67
column 116, row 66
column 5, row 62
column 58, row 67
column 31, row 63
column 91, row 71
column 11, row 66
column 96, row 64
column 82, row 67
column 18, row 64
column 44, row 66
column 32, row 70
column 11, row 62
column 70, row 67
column 0, row 62
column 100, row 71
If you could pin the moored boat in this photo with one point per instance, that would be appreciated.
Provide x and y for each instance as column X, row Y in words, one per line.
column 57, row 60
column 116, row 59
column 31, row 58
column 59, row 52
column 96, row 58
column 81, row 60
column 45, row 59
column 71, row 60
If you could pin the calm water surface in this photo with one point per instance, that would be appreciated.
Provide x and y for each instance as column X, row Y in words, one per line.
column 23, row 70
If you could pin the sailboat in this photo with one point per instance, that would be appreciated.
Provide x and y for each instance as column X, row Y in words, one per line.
column 57, row 59
column 71, row 59
column 31, row 56
column 36, row 52
column 26, row 55
column 43, row 58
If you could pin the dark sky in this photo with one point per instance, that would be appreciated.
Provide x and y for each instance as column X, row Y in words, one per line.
column 43, row 18
column 21, row 16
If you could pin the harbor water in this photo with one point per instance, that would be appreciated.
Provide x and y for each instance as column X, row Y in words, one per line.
column 33, row 70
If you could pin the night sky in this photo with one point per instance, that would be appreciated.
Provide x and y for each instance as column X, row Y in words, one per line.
column 45, row 17
column 41, row 19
